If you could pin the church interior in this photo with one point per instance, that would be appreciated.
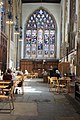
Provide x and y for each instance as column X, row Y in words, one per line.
column 40, row 44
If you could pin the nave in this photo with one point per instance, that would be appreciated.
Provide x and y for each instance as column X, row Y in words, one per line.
column 38, row 103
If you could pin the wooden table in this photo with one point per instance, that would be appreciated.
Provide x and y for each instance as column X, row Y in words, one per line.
column 67, row 81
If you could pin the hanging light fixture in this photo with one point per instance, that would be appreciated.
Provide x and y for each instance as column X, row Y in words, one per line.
column 9, row 16
column 16, row 26
column 20, row 37
column 16, row 30
column 9, row 13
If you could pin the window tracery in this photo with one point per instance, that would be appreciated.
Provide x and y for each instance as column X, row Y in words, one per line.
column 40, row 35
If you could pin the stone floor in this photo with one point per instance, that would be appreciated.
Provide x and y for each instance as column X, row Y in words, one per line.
column 38, row 103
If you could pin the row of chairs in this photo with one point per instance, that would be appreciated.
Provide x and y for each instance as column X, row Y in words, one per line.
column 11, row 95
column 32, row 75
column 7, row 97
column 54, row 82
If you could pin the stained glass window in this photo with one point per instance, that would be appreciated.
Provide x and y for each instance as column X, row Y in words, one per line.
column 40, row 35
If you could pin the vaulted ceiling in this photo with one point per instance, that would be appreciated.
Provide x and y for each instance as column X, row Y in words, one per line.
column 45, row 1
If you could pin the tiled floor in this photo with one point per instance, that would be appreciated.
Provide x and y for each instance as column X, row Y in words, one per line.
column 38, row 103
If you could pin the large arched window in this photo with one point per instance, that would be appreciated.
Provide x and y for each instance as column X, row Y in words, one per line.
column 40, row 40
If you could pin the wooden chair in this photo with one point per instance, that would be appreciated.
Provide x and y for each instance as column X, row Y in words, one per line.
column 36, row 75
column 61, row 84
column 48, row 79
column 19, row 83
column 8, row 98
column 28, row 75
column 53, row 82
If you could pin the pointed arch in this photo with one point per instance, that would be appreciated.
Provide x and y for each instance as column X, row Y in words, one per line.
column 40, row 35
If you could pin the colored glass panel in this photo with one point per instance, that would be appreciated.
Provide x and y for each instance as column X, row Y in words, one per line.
column 40, row 35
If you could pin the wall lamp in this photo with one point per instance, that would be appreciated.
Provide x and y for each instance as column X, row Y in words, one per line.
column 16, row 26
column 16, row 29
column 9, row 16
